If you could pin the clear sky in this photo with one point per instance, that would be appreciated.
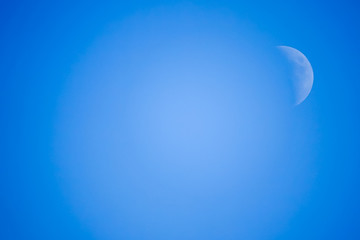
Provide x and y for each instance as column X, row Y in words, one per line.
column 172, row 120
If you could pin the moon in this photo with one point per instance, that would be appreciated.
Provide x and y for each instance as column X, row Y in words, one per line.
column 301, row 73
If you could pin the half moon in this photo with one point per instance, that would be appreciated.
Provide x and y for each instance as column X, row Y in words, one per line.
column 302, row 76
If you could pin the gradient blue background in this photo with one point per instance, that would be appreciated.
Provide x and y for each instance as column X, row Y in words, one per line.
column 42, row 42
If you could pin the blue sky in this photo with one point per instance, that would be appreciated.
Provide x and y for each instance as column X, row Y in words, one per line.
column 62, row 73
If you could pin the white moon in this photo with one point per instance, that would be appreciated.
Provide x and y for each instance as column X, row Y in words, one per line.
column 302, row 75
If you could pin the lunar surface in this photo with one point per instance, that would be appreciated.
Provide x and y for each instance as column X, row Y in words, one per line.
column 301, row 73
